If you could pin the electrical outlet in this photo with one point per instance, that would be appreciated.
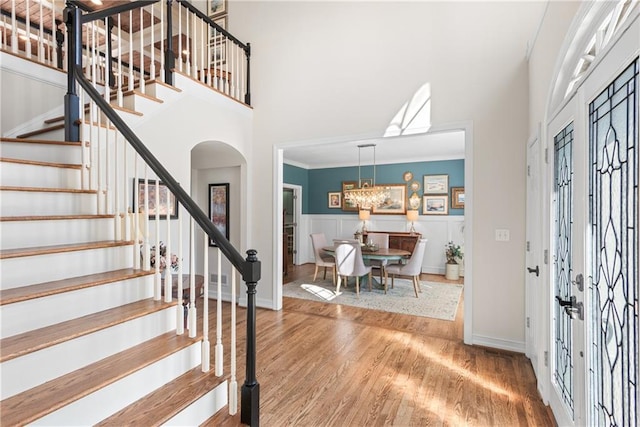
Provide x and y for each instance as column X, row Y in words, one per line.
column 502, row 235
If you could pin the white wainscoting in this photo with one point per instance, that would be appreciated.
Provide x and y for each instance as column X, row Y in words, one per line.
column 437, row 229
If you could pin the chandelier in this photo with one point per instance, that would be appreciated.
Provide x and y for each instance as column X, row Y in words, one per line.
column 367, row 196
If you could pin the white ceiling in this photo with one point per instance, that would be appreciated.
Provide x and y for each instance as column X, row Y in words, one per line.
column 401, row 149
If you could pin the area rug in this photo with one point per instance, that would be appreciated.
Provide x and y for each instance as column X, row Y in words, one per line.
column 437, row 300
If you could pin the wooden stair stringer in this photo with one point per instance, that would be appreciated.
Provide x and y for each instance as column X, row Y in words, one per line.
column 32, row 404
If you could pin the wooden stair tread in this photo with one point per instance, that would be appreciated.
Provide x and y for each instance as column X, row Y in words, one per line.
column 42, row 141
column 47, row 190
column 41, row 131
column 153, row 409
column 24, row 293
column 42, row 250
column 40, row 163
column 37, row 339
column 54, row 217
column 86, row 109
column 41, row 400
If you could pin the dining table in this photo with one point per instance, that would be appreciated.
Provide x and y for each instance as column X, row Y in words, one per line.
column 389, row 254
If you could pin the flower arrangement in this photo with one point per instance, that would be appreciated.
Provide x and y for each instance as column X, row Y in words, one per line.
column 163, row 258
column 452, row 252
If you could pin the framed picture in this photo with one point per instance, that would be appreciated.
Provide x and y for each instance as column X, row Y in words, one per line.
column 221, row 22
column 457, row 197
column 414, row 201
column 216, row 8
column 436, row 184
column 219, row 208
column 155, row 202
column 435, row 205
column 347, row 205
column 396, row 203
column 335, row 200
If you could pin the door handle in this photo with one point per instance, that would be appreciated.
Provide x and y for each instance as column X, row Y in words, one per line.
column 534, row 270
column 572, row 307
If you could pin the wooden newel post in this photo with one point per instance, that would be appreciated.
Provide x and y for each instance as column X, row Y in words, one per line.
column 73, row 21
column 250, row 394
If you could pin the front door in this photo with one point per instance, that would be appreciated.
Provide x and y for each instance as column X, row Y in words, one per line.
column 595, row 248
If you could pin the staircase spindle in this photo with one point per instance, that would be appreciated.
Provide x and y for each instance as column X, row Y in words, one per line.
column 233, row 382
column 41, row 35
column 162, row 76
column 203, row 26
column 156, row 207
column 152, row 65
column 180, row 311
column 219, row 349
column 206, row 347
column 27, row 29
column 14, row 28
column 120, row 99
column 116, row 189
column 135, row 233
column 193, row 321
column 131, row 75
column 143, row 214
column 180, row 54
column 168, row 253
column 142, row 77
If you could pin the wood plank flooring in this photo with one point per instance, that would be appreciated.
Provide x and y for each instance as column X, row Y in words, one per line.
column 330, row 365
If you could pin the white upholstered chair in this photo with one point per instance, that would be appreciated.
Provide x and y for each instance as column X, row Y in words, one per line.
column 412, row 268
column 349, row 263
column 318, row 241
column 382, row 241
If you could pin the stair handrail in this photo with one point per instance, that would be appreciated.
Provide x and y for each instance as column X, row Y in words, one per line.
column 250, row 267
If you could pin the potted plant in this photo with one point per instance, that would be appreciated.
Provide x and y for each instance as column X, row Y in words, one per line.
column 453, row 254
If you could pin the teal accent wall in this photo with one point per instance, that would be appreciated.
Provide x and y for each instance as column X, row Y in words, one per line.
column 317, row 183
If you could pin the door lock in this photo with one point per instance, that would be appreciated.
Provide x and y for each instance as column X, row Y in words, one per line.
column 534, row 270
column 572, row 307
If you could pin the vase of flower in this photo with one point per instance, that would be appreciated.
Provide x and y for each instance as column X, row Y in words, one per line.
column 453, row 254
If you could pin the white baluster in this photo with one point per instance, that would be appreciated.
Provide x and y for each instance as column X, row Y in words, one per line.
column 219, row 348
column 145, row 217
column 41, row 36
column 208, row 55
column 157, row 208
column 152, row 66
column 162, row 24
column 203, row 76
column 180, row 37
column 14, row 28
column 233, row 383
column 193, row 321
column 188, row 63
column 206, row 346
column 142, row 68
column 27, row 43
column 194, row 47
column 116, row 191
column 107, row 171
column 134, row 212
column 131, row 75
column 180, row 307
column 167, row 276
column 127, row 190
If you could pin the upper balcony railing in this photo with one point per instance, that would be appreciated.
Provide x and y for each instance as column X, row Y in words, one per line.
column 124, row 48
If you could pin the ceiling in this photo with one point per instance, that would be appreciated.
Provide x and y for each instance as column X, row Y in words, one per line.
column 399, row 149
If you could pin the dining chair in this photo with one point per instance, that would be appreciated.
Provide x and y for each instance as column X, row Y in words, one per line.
column 318, row 241
column 349, row 263
column 381, row 240
column 412, row 268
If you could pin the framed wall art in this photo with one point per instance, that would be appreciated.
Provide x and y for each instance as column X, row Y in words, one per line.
column 457, row 197
column 435, row 184
column 435, row 205
column 348, row 205
column 219, row 208
column 155, row 202
column 335, row 200
column 216, row 8
column 396, row 203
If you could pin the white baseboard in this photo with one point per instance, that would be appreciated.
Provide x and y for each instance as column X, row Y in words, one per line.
column 516, row 346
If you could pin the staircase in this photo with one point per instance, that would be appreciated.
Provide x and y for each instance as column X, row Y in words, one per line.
column 84, row 341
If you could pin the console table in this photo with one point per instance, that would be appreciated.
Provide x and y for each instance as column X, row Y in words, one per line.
column 399, row 239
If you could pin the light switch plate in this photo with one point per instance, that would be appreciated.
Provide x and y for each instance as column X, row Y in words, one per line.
column 502, row 235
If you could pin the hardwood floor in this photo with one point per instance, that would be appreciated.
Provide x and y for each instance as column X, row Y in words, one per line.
column 330, row 365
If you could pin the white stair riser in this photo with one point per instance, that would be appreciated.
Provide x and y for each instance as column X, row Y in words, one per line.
column 18, row 318
column 52, row 135
column 35, row 368
column 21, row 271
column 139, row 103
column 22, row 234
column 202, row 409
column 104, row 402
column 23, row 203
column 25, row 175
column 42, row 152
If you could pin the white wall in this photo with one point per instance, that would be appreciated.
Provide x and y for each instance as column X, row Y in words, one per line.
column 334, row 69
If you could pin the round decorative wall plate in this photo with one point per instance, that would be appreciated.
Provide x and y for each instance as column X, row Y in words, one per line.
column 408, row 176
column 415, row 186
